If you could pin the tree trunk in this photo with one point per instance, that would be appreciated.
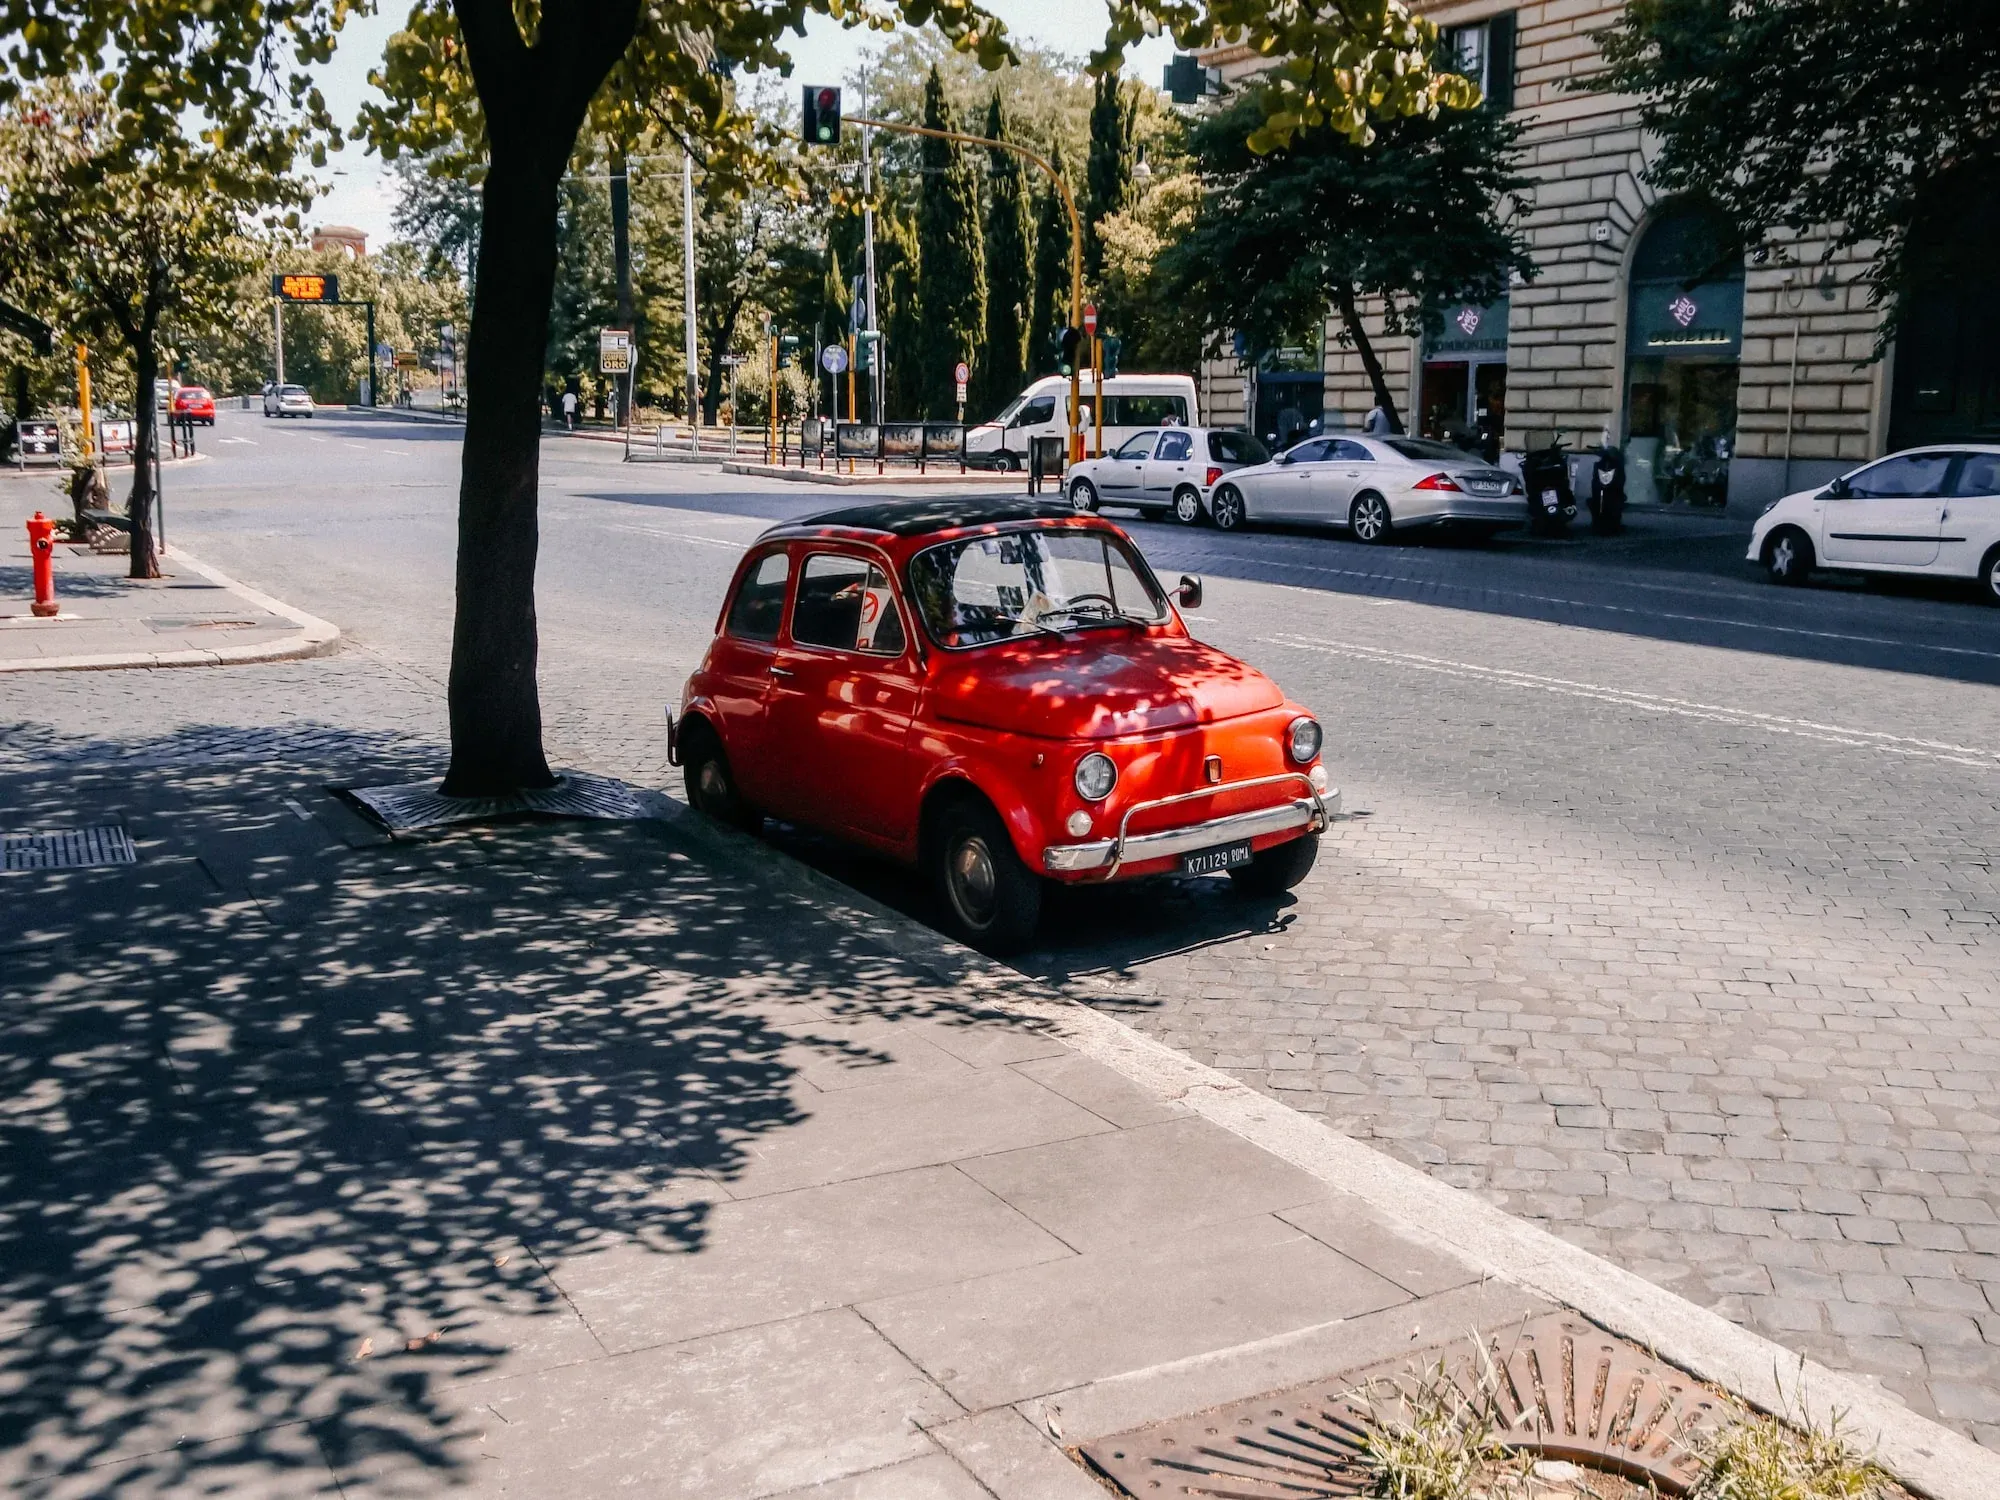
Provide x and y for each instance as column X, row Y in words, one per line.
column 145, row 433
column 1350, row 315
column 534, row 101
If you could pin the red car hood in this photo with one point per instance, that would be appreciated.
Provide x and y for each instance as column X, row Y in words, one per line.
column 1098, row 684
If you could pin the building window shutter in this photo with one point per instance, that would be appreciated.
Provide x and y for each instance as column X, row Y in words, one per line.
column 1500, row 63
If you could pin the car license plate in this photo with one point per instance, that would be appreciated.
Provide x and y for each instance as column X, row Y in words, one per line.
column 1208, row 861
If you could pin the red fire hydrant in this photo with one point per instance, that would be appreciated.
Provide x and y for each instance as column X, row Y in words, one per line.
column 42, row 545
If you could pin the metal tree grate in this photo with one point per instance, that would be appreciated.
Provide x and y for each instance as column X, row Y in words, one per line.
column 1565, row 1389
column 420, row 804
column 79, row 849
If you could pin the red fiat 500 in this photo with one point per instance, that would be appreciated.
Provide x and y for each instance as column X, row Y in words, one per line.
column 1001, row 692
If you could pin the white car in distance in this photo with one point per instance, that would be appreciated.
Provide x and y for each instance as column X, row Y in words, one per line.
column 1164, row 471
column 1924, row 510
column 1374, row 487
column 287, row 401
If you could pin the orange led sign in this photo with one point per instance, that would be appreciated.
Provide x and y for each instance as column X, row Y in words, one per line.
column 305, row 286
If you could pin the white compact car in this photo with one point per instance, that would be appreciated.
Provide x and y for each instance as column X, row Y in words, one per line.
column 1164, row 471
column 1373, row 487
column 287, row 401
column 1925, row 510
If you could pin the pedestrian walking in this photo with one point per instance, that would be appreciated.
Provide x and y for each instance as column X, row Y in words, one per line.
column 569, row 410
column 1376, row 423
column 1607, row 487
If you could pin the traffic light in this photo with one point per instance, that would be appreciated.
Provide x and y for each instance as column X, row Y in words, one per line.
column 788, row 350
column 864, row 350
column 1111, row 344
column 1065, row 343
column 822, row 115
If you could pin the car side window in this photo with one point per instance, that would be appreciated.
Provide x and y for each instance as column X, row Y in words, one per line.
column 759, row 605
column 1315, row 452
column 1236, row 448
column 845, row 603
column 1175, row 446
column 1138, row 447
column 1347, row 451
column 1906, row 476
column 1035, row 413
column 1978, row 476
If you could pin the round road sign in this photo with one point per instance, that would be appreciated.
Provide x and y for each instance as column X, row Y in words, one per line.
column 833, row 359
column 962, row 373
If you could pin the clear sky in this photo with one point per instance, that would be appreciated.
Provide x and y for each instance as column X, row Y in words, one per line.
column 362, row 193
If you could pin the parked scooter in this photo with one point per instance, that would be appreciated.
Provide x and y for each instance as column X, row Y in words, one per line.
column 1551, row 501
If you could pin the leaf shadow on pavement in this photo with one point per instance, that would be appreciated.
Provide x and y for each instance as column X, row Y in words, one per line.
column 294, row 1117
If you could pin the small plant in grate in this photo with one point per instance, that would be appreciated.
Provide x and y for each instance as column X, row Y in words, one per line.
column 1428, row 1437
column 1761, row 1458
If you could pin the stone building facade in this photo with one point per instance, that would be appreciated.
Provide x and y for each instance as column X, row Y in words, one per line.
column 1760, row 372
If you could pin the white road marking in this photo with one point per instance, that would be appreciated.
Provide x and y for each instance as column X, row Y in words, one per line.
column 251, row 442
column 298, row 810
column 678, row 536
column 1832, row 734
column 311, row 439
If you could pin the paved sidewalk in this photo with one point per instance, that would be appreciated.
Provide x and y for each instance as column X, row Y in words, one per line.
column 192, row 615
column 559, row 1157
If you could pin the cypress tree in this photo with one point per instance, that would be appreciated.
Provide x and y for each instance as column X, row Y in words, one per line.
column 1051, row 304
column 898, row 279
column 1114, row 121
column 951, row 261
column 1010, row 269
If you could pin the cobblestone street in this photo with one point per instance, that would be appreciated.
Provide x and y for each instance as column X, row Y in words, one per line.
column 1666, row 914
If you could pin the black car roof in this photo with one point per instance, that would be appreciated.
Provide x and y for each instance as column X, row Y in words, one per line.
column 936, row 513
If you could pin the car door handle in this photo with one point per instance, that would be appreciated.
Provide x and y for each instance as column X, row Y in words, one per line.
column 782, row 672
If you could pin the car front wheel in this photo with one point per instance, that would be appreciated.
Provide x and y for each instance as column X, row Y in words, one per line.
column 1368, row 518
column 1083, row 496
column 711, row 785
column 1187, row 507
column 1272, row 872
column 1989, row 577
column 1226, row 508
column 1788, row 556
column 992, row 901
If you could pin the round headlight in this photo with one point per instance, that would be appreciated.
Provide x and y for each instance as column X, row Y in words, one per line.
column 1095, row 777
column 1302, row 739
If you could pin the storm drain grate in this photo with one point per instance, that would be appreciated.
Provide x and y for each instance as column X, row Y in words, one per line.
column 421, row 805
column 79, row 849
column 1566, row 1390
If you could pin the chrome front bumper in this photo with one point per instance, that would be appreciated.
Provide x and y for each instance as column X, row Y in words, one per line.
column 1311, row 812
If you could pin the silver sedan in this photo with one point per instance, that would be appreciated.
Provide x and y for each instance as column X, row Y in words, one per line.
column 1373, row 487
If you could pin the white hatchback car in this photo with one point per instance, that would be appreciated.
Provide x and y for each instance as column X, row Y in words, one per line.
column 1164, row 471
column 1924, row 510
column 287, row 401
column 1373, row 487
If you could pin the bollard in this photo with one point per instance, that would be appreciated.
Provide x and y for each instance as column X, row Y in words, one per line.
column 42, row 546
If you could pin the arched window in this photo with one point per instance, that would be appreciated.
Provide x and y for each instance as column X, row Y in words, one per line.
column 1684, row 335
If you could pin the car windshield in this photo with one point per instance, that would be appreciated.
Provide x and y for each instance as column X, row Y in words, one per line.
column 1429, row 451
column 997, row 588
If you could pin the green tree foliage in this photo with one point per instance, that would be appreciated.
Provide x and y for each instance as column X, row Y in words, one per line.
column 898, row 275
column 1010, row 271
column 1872, row 124
column 1159, row 331
column 1052, row 311
column 1114, row 122
column 951, row 276
column 118, row 234
column 1420, row 219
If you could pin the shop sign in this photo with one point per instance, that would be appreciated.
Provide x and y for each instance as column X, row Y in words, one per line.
column 1670, row 318
column 1472, row 328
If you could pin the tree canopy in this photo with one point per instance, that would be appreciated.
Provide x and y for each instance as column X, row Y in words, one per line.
column 1418, row 220
column 1870, row 124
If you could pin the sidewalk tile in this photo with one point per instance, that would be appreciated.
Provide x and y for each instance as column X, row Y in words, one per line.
column 1099, row 1090
column 1004, row 1452
column 1101, row 1191
column 1363, row 1236
column 933, row 1478
column 1021, row 1333
column 794, row 1253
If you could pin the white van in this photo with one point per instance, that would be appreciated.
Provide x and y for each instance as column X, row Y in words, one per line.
column 1131, row 404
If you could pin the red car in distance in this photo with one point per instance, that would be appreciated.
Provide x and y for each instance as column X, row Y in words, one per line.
column 1001, row 693
column 193, row 402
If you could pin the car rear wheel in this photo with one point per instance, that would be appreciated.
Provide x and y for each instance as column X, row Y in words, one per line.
column 1083, row 496
column 1272, row 872
column 1008, row 464
column 992, row 901
column 711, row 785
column 1989, row 577
column 1187, row 506
column 1226, row 508
column 1368, row 518
column 1788, row 556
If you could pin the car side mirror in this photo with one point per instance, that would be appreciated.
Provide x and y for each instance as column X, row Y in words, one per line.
column 1282, row 458
column 1188, row 595
column 1840, row 489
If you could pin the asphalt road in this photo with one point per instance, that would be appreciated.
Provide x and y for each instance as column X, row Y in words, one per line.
column 1668, row 915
